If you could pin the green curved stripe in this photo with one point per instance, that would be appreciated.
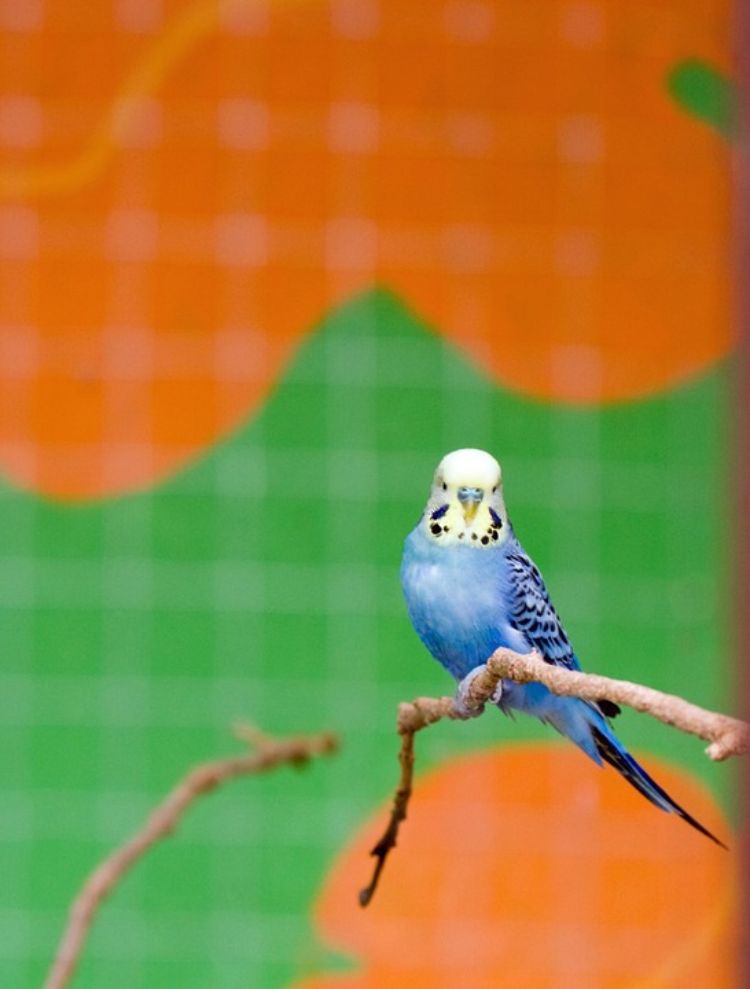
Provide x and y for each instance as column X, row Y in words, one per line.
column 262, row 583
column 705, row 92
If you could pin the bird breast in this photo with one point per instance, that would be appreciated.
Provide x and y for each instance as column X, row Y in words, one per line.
column 455, row 601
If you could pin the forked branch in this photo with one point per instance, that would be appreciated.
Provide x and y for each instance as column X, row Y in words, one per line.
column 727, row 736
column 269, row 753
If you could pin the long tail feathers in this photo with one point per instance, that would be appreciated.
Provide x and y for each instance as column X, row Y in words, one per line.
column 621, row 760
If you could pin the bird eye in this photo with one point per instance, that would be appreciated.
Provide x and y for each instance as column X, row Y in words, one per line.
column 494, row 489
column 445, row 486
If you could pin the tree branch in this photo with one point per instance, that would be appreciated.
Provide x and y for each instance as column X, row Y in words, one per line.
column 727, row 736
column 163, row 821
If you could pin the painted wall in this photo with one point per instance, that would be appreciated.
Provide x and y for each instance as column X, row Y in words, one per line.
column 262, row 262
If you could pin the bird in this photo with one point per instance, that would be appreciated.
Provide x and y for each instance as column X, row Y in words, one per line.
column 471, row 588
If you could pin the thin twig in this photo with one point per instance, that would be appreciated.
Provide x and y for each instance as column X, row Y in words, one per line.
column 727, row 736
column 398, row 814
column 163, row 821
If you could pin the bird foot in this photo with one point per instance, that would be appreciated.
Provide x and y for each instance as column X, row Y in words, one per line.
column 463, row 703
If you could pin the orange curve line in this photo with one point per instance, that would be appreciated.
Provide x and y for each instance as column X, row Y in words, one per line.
column 187, row 29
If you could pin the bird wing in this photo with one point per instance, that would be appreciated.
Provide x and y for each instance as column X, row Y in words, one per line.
column 531, row 613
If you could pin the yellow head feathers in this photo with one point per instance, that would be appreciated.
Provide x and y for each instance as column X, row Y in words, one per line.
column 466, row 501
column 469, row 468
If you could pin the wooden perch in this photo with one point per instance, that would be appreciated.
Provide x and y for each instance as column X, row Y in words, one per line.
column 268, row 754
column 727, row 736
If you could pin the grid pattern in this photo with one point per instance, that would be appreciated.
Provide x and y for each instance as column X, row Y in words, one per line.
column 602, row 908
column 187, row 188
column 262, row 584
column 199, row 174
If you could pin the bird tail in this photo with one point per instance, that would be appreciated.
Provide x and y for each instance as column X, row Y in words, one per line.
column 584, row 724
column 612, row 751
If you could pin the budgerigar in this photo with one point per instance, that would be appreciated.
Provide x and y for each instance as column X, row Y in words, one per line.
column 470, row 588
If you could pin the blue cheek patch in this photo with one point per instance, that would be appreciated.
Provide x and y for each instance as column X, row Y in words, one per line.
column 497, row 522
column 439, row 512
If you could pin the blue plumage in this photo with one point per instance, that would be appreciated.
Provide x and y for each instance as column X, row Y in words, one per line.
column 470, row 588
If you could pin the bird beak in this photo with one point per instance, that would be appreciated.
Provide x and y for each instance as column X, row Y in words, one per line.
column 470, row 510
column 470, row 499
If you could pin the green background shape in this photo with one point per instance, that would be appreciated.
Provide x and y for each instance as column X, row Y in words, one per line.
column 262, row 583
column 707, row 93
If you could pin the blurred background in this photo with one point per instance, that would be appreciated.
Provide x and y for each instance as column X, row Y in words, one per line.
column 262, row 263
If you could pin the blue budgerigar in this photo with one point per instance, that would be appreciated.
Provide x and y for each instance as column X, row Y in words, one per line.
column 470, row 588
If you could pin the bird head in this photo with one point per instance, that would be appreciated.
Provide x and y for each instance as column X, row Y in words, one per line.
column 466, row 501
